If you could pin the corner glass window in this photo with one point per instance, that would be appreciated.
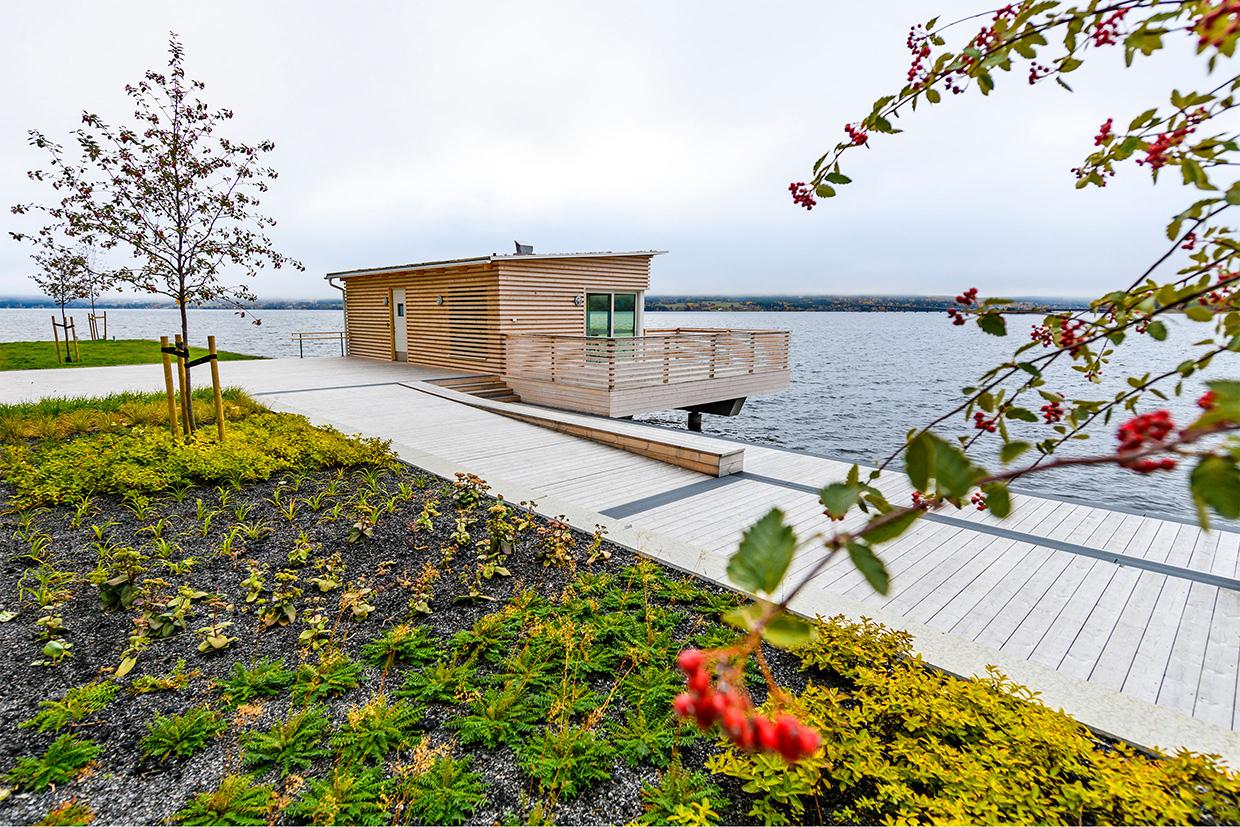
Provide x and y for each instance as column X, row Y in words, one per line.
column 624, row 314
column 611, row 314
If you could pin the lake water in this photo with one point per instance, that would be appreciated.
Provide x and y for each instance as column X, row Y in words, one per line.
column 859, row 382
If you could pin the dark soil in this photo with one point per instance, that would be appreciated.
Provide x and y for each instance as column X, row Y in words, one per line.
column 122, row 787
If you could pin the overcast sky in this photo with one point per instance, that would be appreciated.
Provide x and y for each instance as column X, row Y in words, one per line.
column 416, row 131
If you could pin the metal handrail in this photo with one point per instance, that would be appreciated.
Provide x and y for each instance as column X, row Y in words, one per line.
column 317, row 335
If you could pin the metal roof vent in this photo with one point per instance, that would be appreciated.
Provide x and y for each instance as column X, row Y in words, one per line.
column 524, row 249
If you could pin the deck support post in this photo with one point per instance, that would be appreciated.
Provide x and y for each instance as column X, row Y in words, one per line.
column 695, row 421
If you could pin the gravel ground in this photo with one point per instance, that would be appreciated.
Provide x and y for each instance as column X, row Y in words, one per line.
column 122, row 787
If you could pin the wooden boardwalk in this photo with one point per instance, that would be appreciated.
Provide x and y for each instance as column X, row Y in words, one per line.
column 1120, row 617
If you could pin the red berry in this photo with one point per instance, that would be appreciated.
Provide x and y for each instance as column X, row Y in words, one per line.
column 733, row 722
column 683, row 704
column 691, row 660
column 699, row 682
column 809, row 741
column 764, row 732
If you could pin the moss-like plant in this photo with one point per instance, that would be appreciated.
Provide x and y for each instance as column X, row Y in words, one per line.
column 445, row 793
column 502, row 715
column 262, row 678
column 236, row 801
column 71, row 813
column 334, row 674
column 567, row 760
column 371, row 731
column 180, row 736
column 291, row 745
column 404, row 644
column 643, row 739
column 73, row 707
column 67, row 755
column 341, row 798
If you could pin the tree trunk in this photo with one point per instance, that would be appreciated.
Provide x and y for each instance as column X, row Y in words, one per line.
column 188, row 384
column 64, row 324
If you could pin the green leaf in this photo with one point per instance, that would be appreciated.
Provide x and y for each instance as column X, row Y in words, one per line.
column 1157, row 330
column 787, row 631
column 1216, row 482
column 824, row 191
column 837, row 178
column 998, row 500
column 951, row 469
column 917, row 459
column 890, row 529
column 1012, row 450
column 762, row 559
column 993, row 324
column 1023, row 414
column 1198, row 313
column 869, row 565
column 839, row 497
column 1029, row 368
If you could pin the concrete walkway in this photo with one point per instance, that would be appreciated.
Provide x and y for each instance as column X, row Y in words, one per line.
column 1129, row 622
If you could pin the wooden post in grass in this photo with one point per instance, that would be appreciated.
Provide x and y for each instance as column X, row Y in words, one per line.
column 56, row 336
column 185, row 400
column 77, row 354
column 215, row 386
column 173, row 420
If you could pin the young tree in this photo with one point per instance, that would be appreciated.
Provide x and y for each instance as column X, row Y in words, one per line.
column 63, row 275
column 1192, row 135
column 176, row 200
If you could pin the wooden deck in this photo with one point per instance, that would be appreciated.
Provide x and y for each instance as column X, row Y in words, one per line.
column 1130, row 622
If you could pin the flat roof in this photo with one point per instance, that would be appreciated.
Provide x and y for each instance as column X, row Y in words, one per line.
column 493, row 257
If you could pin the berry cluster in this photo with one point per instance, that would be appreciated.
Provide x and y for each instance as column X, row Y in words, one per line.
column 1156, row 153
column 1052, row 412
column 1042, row 333
column 956, row 316
column 1190, row 241
column 1104, row 132
column 731, row 709
column 1221, row 295
column 1144, row 431
column 979, row 500
column 1071, row 334
column 1106, row 31
column 967, row 297
column 1037, row 71
column 983, row 422
column 921, row 500
column 1206, row 401
column 1218, row 24
column 919, row 46
column 856, row 135
column 802, row 195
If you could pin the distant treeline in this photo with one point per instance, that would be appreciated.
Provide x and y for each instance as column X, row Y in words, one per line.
column 876, row 304
column 154, row 304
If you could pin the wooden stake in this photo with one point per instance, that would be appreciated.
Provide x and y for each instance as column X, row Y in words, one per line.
column 56, row 336
column 77, row 354
column 215, row 385
column 173, row 421
column 185, row 400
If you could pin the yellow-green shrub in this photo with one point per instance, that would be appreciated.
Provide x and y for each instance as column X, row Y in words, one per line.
column 147, row 460
column 906, row 744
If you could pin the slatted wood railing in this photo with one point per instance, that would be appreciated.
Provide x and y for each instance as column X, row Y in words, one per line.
column 662, row 356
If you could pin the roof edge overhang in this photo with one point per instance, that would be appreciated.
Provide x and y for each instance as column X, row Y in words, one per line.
column 448, row 264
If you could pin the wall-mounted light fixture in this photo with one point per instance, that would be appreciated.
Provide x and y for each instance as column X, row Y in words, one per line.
column 578, row 300
column 385, row 301
column 439, row 300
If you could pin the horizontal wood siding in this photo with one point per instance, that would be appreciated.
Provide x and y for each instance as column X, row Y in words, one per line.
column 537, row 296
column 463, row 332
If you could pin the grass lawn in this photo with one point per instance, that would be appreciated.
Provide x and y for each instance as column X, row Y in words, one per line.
column 32, row 355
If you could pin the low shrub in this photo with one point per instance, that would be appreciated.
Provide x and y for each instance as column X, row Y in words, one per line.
column 682, row 797
column 294, row 744
column 403, row 644
column 147, row 460
column 180, row 736
column 904, row 743
column 236, row 801
column 73, row 707
column 66, row 756
column 371, row 731
column 263, row 678
column 341, row 798
column 334, row 674
column 445, row 793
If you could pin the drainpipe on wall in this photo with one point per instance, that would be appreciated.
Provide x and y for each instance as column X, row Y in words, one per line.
column 344, row 308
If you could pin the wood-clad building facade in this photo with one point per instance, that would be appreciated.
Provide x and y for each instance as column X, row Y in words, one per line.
column 562, row 330
column 455, row 314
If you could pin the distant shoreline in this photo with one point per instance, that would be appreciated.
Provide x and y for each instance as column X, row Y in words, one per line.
column 656, row 304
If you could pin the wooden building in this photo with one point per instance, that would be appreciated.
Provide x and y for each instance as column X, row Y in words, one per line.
column 562, row 330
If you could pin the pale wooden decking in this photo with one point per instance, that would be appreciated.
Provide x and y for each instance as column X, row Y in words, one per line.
column 1116, row 616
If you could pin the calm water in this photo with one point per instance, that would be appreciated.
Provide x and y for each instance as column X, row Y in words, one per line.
column 859, row 381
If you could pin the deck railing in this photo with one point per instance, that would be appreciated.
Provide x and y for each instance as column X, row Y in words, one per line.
column 662, row 356
column 303, row 336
